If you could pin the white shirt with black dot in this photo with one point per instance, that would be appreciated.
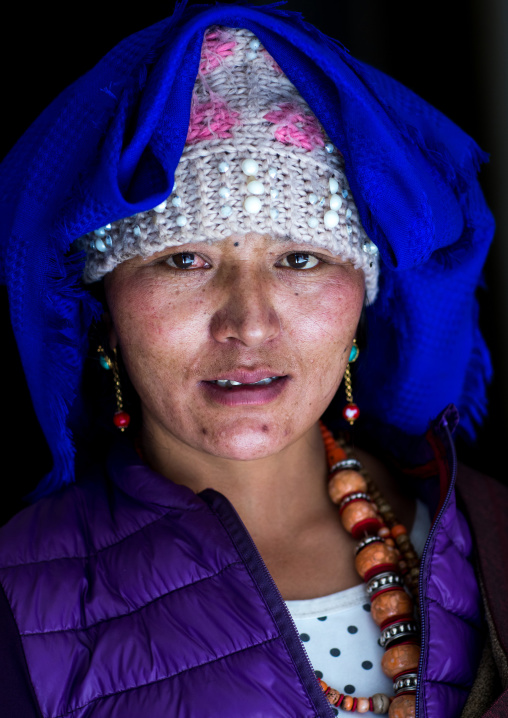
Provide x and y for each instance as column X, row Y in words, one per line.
column 340, row 637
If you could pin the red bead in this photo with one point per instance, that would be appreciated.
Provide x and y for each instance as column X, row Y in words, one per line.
column 368, row 526
column 121, row 419
column 351, row 413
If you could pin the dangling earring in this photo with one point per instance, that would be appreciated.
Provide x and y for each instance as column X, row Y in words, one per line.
column 350, row 412
column 120, row 419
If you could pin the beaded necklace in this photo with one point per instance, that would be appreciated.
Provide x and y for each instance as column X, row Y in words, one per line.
column 386, row 560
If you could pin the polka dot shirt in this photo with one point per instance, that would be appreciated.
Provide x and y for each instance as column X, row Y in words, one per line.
column 340, row 637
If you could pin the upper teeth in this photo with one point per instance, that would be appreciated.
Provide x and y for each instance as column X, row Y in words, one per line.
column 232, row 382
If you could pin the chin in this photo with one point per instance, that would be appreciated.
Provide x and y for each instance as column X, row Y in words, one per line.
column 246, row 443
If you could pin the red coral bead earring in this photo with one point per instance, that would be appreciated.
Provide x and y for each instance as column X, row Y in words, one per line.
column 121, row 418
column 350, row 412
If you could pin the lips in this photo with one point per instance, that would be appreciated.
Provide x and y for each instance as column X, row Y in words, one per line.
column 243, row 387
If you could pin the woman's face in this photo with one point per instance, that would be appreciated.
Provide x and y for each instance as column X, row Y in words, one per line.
column 246, row 308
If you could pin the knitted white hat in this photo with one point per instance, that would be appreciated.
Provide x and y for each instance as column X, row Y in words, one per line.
column 256, row 159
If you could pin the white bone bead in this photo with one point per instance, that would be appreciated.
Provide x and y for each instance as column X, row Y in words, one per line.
column 331, row 219
column 250, row 167
column 335, row 202
column 334, row 185
column 252, row 204
column 160, row 207
column 255, row 187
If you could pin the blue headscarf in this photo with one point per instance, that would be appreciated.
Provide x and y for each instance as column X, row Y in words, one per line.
column 108, row 146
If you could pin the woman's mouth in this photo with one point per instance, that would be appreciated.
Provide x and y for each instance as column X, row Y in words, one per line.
column 230, row 383
column 232, row 392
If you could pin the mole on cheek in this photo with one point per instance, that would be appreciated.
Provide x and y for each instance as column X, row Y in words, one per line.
column 204, row 431
column 236, row 244
column 264, row 428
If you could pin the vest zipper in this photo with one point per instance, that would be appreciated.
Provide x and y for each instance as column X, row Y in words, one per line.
column 237, row 531
column 424, row 569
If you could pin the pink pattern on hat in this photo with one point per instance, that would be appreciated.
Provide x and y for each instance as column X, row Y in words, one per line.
column 211, row 119
column 295, row 127
column 217, row 45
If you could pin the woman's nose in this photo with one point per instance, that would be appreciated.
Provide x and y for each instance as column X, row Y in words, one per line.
column 246, row 313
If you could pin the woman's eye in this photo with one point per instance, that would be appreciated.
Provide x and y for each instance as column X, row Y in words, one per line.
column 186, row 260
column 299, row 260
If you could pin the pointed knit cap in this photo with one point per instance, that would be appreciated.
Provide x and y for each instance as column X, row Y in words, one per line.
column 256, row 159
column 108, row 146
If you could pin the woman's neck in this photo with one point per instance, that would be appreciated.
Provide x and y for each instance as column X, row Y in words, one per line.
column 276, row 496
column 283, row 501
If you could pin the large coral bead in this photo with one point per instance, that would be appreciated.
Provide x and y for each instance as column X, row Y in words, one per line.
column 403, row 707
column 375, row 558
column 390, row 605
column 400, row 659
column 345, row 482
column 360, row 516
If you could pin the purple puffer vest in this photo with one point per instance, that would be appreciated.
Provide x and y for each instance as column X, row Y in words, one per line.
column 135, row 597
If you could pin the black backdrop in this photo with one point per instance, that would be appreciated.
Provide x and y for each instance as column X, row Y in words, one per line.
column 440, row 50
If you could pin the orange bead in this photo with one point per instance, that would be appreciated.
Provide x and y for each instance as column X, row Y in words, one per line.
column 389, row 605
column 357, row 511
column 400, row 659
column 345, row 482
column 373, row 556
column 398, row 530
column 363, row 705
column 323, row 685
column 333, row 696
column 403, row 707
column 347, row 703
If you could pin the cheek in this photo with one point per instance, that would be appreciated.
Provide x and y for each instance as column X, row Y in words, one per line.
column 323, row 320
column 157, row 332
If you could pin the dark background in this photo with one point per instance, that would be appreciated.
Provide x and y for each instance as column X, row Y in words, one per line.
column 454, row 54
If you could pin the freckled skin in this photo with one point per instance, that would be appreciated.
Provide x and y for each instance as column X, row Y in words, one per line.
column 239, row 309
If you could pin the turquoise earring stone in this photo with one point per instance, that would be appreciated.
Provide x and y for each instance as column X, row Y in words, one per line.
column 353, row 355
column 104, row 362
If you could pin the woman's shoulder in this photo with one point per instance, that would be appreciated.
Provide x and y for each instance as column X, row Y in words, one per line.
column 75, row 522
column 115, row 499
column 54, row 526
